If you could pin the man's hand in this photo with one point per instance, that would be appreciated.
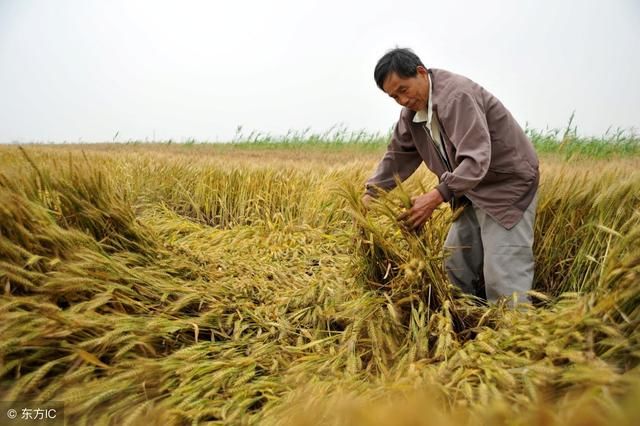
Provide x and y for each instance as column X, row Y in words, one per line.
column 421, row 209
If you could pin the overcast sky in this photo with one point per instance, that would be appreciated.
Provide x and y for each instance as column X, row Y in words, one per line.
column 84, row 70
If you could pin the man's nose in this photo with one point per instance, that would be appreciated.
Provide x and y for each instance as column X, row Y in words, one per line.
column 402, row 100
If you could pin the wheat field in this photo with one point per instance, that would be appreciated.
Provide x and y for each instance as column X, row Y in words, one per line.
column 168, row 284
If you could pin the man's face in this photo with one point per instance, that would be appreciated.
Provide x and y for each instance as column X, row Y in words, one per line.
column 412, row 92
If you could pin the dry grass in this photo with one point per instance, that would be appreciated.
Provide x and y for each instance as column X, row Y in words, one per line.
column 168, row 285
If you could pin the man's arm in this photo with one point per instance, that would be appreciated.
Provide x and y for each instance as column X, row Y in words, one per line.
column 468, row 131
column 401, row 159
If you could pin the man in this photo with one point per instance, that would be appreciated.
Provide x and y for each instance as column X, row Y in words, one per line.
column 484, row 161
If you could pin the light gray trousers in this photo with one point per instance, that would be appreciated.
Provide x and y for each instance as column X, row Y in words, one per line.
column 487, row 259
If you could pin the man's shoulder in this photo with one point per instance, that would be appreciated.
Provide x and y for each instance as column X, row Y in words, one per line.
column 448, row 85
column 442, row 76
column 450, row 89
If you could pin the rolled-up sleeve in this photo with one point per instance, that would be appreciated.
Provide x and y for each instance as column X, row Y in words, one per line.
column 399, row 162
column 467, row 129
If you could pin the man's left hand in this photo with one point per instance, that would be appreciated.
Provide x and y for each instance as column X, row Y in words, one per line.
column 421, row 209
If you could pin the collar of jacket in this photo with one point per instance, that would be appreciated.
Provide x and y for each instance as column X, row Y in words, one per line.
column 434, row 105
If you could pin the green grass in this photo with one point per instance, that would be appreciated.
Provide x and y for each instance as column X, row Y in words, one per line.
column 565, row 142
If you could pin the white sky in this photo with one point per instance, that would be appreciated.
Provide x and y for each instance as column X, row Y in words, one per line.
column 84, row 70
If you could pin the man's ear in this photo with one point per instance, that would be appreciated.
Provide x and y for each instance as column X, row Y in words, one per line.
column 421, row 70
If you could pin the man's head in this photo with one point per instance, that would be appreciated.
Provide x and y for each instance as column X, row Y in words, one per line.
column 401, row 75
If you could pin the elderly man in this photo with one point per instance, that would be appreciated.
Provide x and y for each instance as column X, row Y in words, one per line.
column 485, row 164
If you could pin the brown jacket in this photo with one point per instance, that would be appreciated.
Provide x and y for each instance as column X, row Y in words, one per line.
column 493, row 163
